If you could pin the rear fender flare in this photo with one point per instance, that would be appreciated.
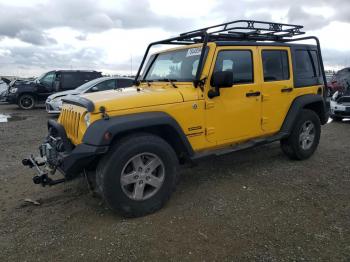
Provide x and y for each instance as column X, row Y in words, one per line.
column 313, row 102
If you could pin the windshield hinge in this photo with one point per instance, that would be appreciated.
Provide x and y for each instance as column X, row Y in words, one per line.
column 200, row 83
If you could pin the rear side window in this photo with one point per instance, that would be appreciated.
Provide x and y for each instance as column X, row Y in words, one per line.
column 304, row 65
column 276, row 66
column 68, row 80
column 239, row 62
column 124, row 83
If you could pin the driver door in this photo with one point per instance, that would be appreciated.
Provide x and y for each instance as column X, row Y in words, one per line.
column 235, row 115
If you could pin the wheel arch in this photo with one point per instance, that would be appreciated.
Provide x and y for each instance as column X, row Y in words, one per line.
column 157, row 123
column 311, row 102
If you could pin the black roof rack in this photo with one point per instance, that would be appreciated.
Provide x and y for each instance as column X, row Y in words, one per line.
column 243, row 30
column 239, row 30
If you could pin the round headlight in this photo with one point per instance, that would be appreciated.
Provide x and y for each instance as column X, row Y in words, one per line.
column 13, row 90
column 87, row 119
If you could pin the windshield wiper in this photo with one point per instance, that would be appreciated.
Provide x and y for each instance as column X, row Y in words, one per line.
column 171, row 81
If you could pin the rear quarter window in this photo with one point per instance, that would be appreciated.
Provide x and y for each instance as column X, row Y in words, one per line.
column 307, row 70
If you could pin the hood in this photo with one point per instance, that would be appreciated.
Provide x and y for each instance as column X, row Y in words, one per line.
column 63, row 93
column 126, row 98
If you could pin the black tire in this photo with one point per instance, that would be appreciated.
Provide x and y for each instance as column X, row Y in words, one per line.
column 111, row 166
column 336, row 118
column 26, row 102
column 292, row 146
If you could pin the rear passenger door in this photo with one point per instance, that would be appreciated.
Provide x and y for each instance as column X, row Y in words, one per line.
column 277, row 87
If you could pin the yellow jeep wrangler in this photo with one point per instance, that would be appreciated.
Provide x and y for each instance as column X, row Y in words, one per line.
column 224, row 88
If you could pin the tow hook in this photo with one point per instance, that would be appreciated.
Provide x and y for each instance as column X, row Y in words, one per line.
column 44, row 180
column 42, row 176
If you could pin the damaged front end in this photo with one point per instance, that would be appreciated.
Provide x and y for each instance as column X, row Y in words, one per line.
column 58, row 153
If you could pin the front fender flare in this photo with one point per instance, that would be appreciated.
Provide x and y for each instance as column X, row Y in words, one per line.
column 94, row 135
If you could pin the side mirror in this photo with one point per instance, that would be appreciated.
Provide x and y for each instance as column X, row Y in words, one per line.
column 220, row 79
column 94, row 89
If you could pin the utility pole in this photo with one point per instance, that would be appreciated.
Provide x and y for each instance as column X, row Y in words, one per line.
column 130, row 64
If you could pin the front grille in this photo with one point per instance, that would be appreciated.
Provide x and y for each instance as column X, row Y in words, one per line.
column 70, row 119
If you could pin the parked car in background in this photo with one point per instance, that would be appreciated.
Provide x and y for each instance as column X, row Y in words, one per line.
column 26, row 94
column 54, row 102
column 340, row 105
column 339, row 82
column 3, row 90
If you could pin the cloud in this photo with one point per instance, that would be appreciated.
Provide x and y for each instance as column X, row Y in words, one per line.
column 87, row 16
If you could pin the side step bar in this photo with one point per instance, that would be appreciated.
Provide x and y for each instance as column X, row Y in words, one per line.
column 238, row 147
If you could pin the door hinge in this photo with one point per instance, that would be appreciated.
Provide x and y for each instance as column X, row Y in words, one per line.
column 209, row 104
column 264, row 120
column 209, row 131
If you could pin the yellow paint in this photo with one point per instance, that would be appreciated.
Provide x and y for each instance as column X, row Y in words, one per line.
column 208, row 123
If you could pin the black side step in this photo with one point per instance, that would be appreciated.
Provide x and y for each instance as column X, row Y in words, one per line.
column 238, row 147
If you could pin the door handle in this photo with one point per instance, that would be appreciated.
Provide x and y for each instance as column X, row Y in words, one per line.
column 287, row 89
column 251, row 94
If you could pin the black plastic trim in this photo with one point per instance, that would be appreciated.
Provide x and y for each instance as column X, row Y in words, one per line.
column 94, row 135
column 298, row 104
column 80, row 101
column 79, row 158
column 57, row 130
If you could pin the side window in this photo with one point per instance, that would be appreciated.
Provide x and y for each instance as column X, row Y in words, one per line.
column 315, row 62
column 124, row 83
column 276, row 66
column 68, row 80
column 106, row 85
column 304, row 67
column 239, row 62
column 48, row 79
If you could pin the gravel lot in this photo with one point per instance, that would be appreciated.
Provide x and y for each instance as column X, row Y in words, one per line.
column 254, row 205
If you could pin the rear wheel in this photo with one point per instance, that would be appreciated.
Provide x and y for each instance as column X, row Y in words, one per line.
column 138, row 176
column 26, row 102
column 305, row 136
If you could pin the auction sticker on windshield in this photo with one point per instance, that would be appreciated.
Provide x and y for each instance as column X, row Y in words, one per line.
column 194, row 51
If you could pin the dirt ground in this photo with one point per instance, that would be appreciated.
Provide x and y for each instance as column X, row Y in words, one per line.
column 255, row 205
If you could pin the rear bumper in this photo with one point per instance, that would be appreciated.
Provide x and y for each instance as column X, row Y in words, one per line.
column 59, row 153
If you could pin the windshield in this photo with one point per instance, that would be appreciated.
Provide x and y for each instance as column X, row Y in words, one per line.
column 178, row 65
column 41, row 76
column 88, row 85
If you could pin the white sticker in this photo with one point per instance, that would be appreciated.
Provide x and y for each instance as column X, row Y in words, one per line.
column 194, row 51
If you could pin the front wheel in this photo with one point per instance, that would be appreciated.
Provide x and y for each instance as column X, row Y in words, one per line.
column 305, row 136
column 138, row 176
column 26, row 102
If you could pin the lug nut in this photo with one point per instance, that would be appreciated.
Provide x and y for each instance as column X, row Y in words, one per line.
column 148, row 178
column 141, row 182
column 136, row 177
column 140, row 169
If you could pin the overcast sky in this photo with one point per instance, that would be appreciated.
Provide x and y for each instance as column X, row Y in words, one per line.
column 40, row 35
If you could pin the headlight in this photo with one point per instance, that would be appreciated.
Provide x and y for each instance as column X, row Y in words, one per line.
column 87, row 119
column 13, row 90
